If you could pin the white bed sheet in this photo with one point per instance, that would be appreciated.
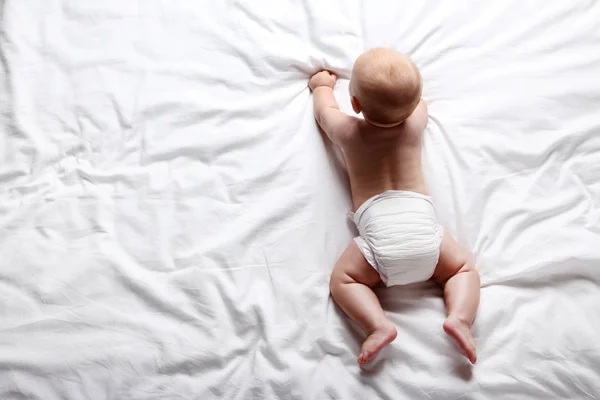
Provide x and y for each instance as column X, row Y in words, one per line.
column 170, row 214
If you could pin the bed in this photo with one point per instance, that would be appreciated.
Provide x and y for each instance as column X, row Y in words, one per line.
column 170, row 212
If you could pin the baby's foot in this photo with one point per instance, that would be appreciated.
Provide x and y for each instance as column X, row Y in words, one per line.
column 376, row 341
column 461, row 333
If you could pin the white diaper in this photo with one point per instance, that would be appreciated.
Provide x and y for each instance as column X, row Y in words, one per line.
column 399, row 236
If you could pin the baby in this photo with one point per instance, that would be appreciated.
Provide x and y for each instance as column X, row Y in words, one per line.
column 400, row 241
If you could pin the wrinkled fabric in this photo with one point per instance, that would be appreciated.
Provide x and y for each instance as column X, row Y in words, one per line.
column 170, row 213
column 399, row 236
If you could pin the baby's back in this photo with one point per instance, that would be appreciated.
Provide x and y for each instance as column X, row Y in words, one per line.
column 381, row 159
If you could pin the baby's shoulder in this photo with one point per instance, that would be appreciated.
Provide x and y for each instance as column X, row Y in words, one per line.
column 349, row 128
column 418, row 119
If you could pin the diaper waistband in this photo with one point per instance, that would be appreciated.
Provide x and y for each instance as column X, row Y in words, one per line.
column 387, row 195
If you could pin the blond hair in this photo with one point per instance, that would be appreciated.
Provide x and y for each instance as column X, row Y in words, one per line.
column 387, row 85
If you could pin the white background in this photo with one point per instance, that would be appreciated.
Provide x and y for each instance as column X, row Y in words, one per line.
column 170, row 213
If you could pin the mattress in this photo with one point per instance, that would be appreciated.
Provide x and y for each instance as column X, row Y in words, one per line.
column 170, row 212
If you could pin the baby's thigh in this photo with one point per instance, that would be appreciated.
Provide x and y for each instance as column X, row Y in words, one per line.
column 453, row 259
column 352, row 267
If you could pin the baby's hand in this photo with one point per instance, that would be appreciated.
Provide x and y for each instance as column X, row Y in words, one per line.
column 322, row 78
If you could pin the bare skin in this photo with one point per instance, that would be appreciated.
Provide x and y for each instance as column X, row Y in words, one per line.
column 380, row 159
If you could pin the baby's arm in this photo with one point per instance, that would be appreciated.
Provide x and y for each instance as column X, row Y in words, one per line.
column 327, row 111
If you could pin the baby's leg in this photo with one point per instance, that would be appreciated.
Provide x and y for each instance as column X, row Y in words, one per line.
column 460, row 281
column 350, row 285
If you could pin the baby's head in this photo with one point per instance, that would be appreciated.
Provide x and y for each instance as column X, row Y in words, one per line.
column 386, row 86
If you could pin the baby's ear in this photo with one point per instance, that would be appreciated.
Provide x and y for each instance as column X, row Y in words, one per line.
column 355, row 105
